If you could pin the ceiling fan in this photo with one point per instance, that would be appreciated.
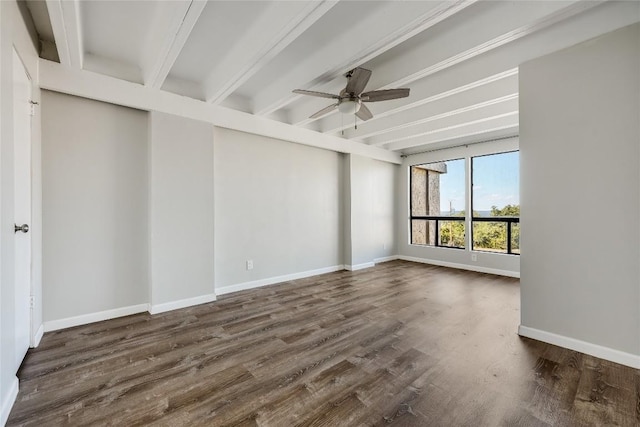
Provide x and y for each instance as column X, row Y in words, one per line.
column 351, row 98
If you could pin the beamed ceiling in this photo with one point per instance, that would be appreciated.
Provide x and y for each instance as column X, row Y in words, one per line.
column 459, row 58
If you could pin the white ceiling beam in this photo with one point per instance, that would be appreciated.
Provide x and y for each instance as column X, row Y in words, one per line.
column 297, row 26
column 86, row 84
column 430, row 113
column 477, row 127
column 594, row 22
column 159, row 65
column 430, row 102
column 279, row 95
column 505, row 136
column 507, row 105
column 495, row 24
column 67, row 31
column 509, row 37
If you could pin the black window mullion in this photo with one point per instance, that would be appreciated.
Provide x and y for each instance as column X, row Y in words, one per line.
column 411, row 204
column 471, row 213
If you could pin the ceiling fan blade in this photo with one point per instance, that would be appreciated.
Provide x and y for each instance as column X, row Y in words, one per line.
column 364, row 113
column 314, row 93
column 384, row 95
column 324, row 111
column 358, row 80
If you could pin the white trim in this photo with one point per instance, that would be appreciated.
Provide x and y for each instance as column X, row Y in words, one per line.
column 359, row 266
column 596, row 350
column 385, row 259
column 478, row 269
column 38, row 336
column 8, row 401
column 187, row 302
column 277, row 279
column 83, row 319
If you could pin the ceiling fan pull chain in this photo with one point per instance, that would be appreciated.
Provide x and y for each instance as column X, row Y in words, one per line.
column 355, row 121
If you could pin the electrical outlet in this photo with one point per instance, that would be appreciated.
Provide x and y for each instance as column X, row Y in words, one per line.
column 384, row 246
column 474, row 257
column 249, row 264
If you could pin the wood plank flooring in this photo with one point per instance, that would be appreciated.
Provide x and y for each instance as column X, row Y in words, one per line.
column 399, row 344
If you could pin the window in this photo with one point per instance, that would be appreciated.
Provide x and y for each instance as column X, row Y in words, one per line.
column 487, row 185
column 495, row 201
column 437, row 204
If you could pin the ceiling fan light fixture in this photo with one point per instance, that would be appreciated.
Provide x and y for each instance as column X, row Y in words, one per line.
column 349, row 106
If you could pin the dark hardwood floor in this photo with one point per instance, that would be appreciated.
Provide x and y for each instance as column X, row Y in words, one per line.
column 401, row 344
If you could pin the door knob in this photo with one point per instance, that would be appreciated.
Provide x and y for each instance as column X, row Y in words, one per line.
column 24, row 228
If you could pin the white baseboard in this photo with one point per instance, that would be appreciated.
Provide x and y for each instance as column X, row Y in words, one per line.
column 359, row 266
column 8, row 401
column 38, row 336
column 386, row 259
column 596, row 350
column 272, row 280
column 54, row 325
column 478, row 269
column 175, row 305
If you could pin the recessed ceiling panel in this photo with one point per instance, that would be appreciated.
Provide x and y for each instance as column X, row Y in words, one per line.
column 217, row 33
column 117, row 29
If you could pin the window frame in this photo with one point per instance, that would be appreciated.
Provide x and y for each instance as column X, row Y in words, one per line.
column 436, row 218
column 461, row 152
column 509, row 220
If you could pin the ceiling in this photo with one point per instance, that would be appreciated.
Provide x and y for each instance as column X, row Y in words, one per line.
column 459, row 58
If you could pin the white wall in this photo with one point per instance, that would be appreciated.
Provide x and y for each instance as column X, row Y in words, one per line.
column 461, row 258
column 181, row 209
column 370, row 211
column 277, row 203
column 580, row 169
column 95, row 237
column 13, row 34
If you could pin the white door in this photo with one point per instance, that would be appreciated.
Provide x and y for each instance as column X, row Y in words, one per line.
column 22, row 204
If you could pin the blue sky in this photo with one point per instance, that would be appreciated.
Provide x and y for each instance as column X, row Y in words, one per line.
column 496, row 182
column 452, row 187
